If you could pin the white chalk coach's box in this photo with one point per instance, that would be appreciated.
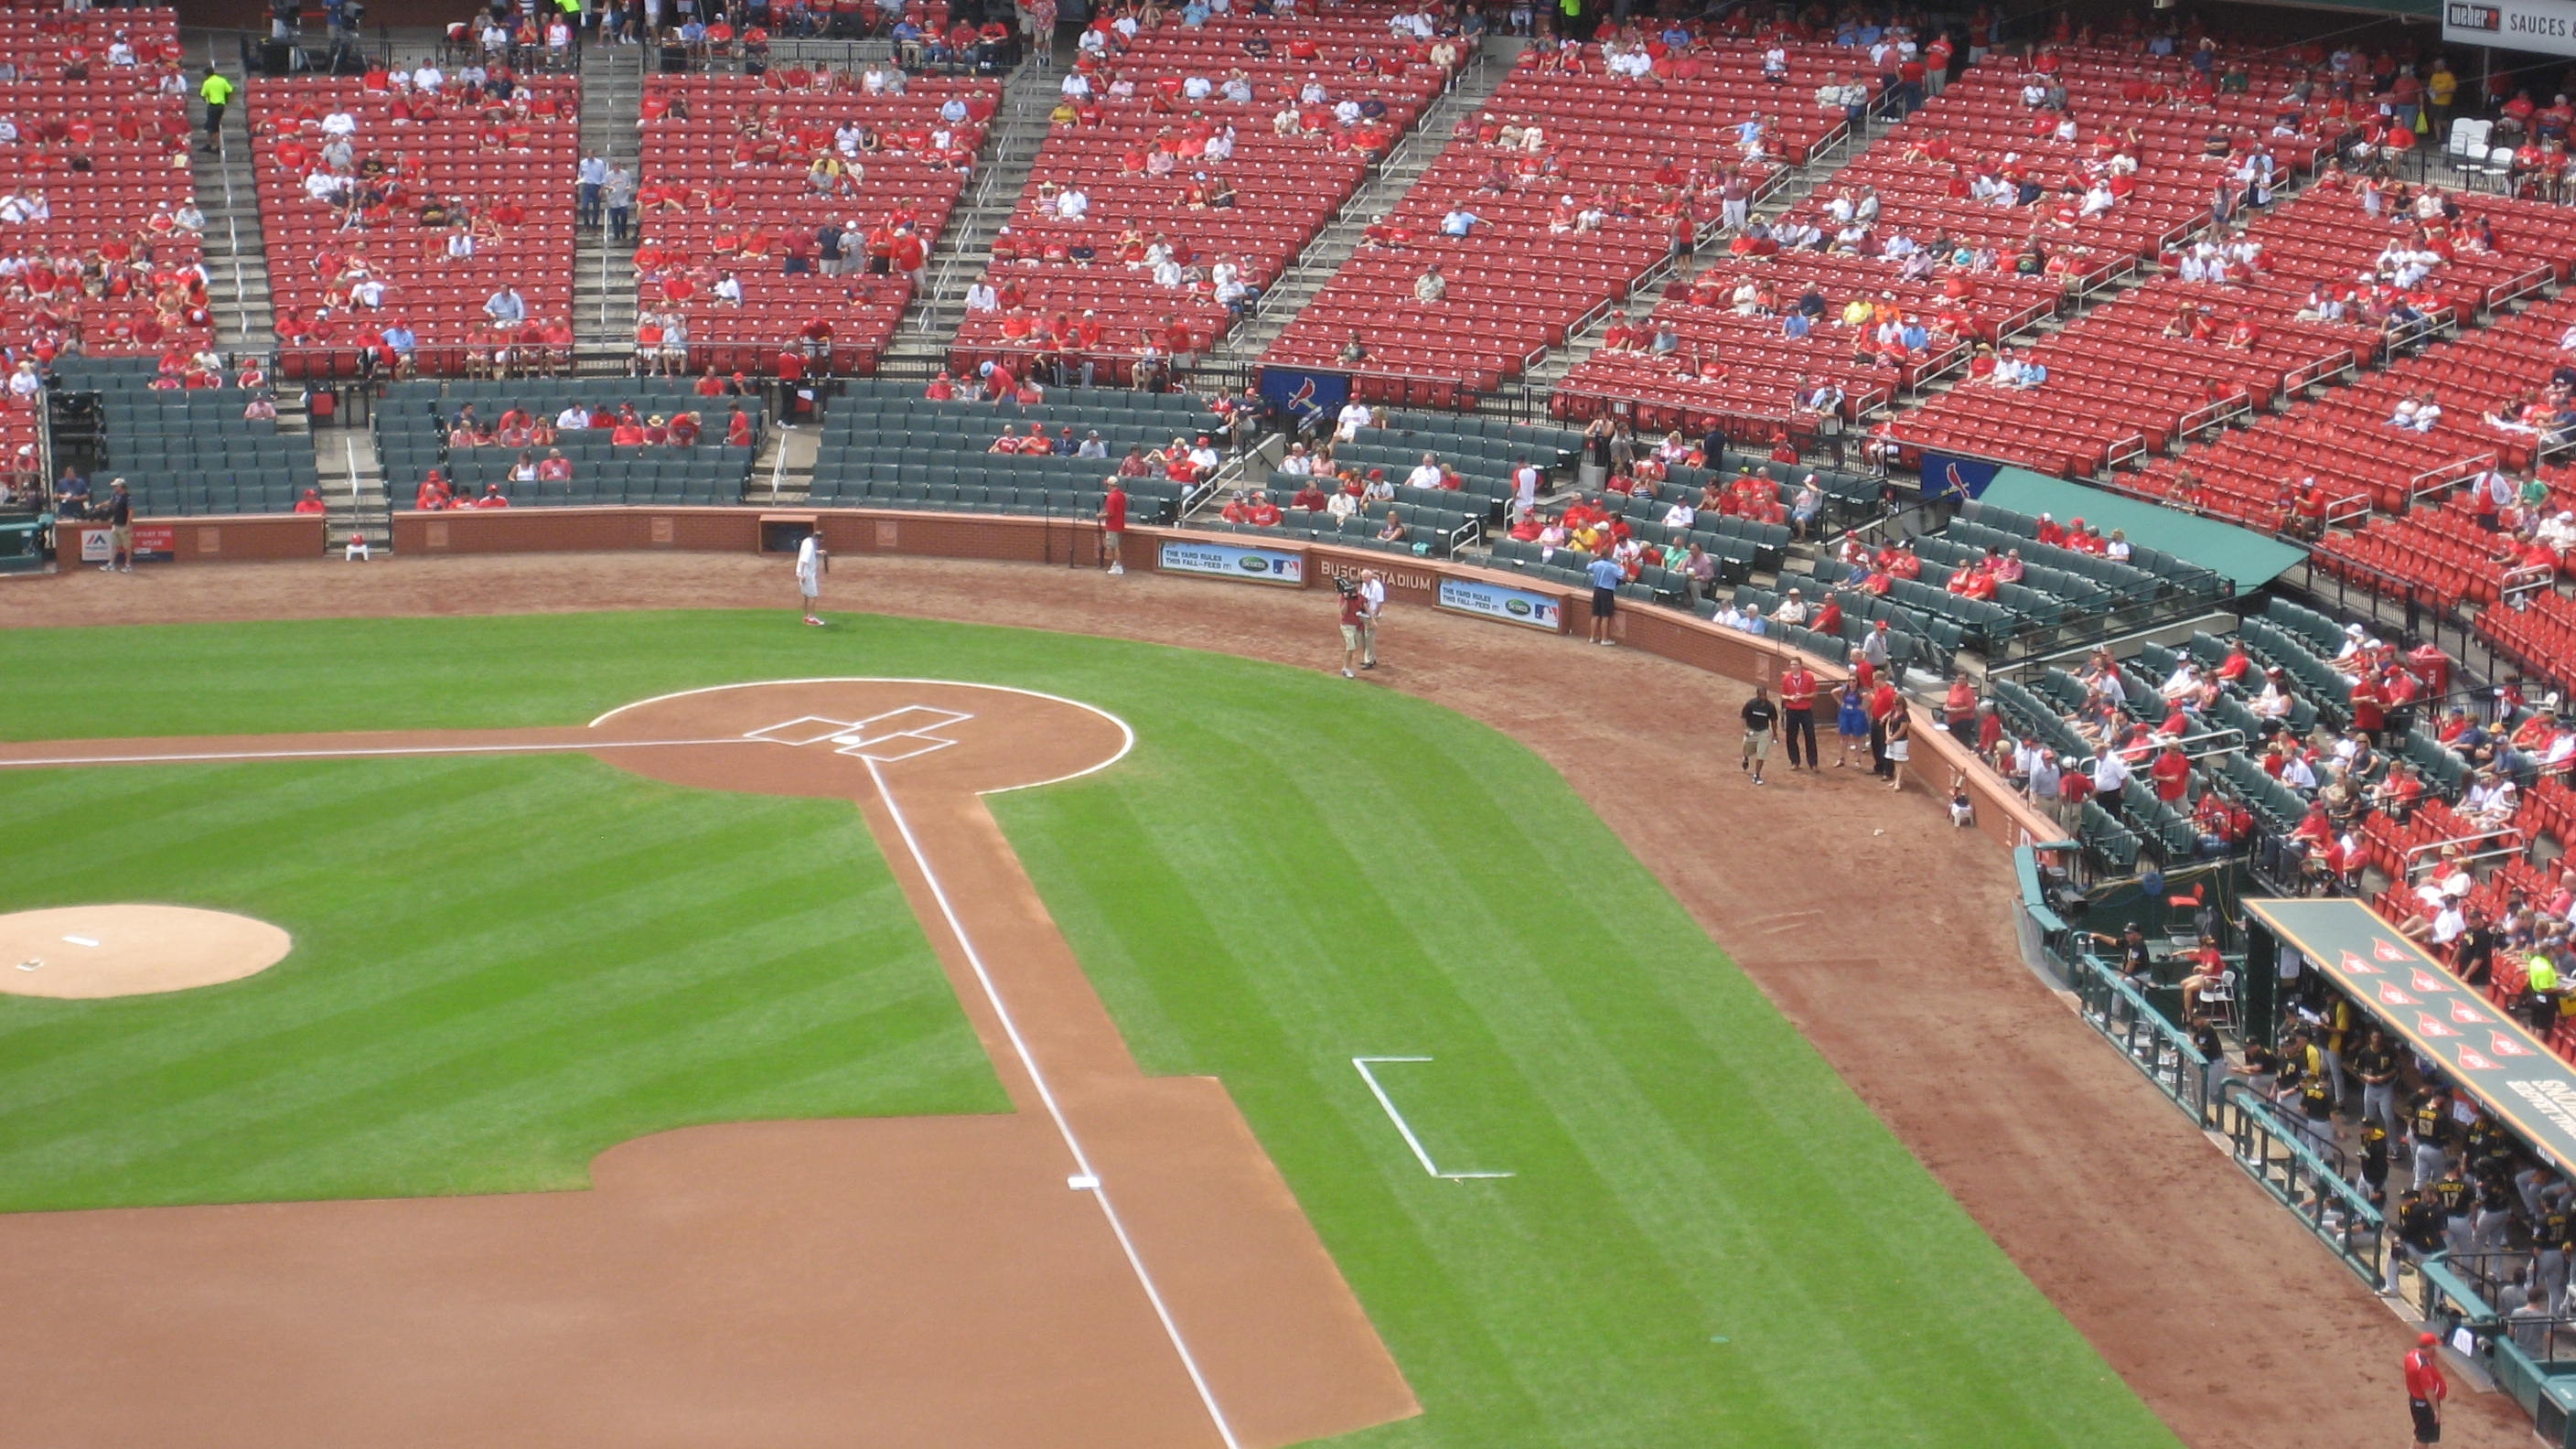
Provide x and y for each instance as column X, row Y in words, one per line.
column 1512, row 606
column 1225, row 561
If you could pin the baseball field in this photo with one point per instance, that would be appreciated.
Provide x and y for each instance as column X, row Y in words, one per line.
column 1587, row 1186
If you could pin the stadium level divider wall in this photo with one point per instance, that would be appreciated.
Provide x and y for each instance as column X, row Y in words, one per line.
column 232, row 537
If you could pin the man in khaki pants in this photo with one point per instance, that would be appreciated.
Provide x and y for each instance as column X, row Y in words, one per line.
column 118, row 514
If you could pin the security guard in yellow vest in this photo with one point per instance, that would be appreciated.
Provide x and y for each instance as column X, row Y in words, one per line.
column 216, row 91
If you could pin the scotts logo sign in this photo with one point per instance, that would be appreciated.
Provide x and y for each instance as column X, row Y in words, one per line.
column 2508, row 1071
column 1254, row 563
column 1519, row 606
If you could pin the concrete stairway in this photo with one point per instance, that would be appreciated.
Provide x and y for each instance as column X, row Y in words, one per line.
column 1294, row 287
column 236, row 252
column 966, row 248
column 603, row 285
column 237, row 286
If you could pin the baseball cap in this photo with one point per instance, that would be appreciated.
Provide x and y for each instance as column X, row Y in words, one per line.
column 2428, row 1339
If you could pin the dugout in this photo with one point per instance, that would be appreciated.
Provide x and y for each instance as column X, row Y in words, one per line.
column 2471, row 1043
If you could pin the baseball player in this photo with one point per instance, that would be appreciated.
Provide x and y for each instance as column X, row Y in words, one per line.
column 812, row 562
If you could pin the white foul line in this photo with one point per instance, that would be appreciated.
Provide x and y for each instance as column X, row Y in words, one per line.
column 359, row 752
column 1064, row 1128
column 1392, row 1115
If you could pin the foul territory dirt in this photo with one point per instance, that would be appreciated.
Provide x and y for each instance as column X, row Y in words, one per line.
column 1886, row 937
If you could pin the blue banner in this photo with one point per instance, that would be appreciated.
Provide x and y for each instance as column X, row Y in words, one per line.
column 1955, row 479
column 1305, row 398
column 1511, row 606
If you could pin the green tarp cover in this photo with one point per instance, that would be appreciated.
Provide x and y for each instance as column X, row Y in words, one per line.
column 2249, row 558
column 2512, row 1074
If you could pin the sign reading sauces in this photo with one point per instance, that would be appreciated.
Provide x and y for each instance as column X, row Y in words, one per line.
column 2546, row 26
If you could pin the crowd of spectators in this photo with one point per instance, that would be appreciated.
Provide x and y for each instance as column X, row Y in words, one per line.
column 410, row 209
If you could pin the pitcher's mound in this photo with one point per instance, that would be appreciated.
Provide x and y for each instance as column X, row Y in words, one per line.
column 85, row 951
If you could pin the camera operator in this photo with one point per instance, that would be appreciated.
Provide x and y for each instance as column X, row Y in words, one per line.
column 1354, row 622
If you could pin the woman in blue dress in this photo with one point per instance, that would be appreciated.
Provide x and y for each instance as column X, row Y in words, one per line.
column 1851, row 722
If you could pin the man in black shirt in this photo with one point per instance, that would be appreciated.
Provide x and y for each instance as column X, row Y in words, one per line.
column 2429, row 1128
column 2458, row 1204
column 118, row 514
column 2375, row 1063
column 1761, row 718
column 2133, row 958
column 2551, row 1233
column 2419, row 1233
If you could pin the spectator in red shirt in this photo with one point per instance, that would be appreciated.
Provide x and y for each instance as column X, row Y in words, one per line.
column 2367, row 717
column 1798, row 712
column 2172, row 775
column 1113, row 526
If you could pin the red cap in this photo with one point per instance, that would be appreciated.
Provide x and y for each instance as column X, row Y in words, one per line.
column 2428, row 1339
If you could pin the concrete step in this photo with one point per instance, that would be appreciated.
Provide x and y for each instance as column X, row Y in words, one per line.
column 235, row 250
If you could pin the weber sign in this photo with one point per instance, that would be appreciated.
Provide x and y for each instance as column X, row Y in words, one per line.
column 2545, row 26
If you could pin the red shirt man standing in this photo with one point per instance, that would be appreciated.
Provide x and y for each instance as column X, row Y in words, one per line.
column 2426, row 1388
column 2172, row 774
column 1798, row 712
column 1113, row 527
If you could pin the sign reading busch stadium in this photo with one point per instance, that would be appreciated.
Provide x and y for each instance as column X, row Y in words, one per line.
column 2510, row 1072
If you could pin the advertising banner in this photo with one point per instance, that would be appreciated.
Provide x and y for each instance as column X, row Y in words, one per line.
column 2545, row 26
column 153, row 543
column 2512, row 1074
column 1512, row 606
column 1225, row 561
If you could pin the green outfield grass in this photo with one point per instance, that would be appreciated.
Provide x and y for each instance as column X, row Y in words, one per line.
column 1708, row 1240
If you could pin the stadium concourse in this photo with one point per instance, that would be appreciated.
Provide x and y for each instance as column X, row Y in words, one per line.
column 2153, row 412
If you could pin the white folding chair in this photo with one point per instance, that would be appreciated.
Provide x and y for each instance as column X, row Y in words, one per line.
column 2219, row 1000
